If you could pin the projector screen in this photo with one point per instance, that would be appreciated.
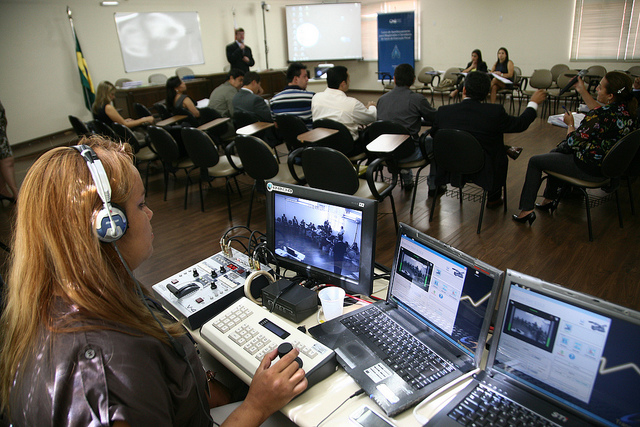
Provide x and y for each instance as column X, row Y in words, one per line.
column 323, row 32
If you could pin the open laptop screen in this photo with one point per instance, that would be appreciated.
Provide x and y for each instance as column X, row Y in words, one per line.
column 444, row 288
column 584, row 355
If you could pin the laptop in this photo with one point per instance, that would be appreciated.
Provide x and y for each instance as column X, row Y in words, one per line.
column 568, row 357
column 441, row 298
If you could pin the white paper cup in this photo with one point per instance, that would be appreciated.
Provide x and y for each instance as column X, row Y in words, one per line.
column 332, row 299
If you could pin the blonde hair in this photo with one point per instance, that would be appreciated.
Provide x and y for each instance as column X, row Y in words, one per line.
column 56, row 257
column 105, row 88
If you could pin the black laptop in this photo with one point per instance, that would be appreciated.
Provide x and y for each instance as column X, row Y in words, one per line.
column 430, row 330
column 558, row 357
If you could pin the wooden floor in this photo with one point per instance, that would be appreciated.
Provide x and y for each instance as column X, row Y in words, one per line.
column 555, row 248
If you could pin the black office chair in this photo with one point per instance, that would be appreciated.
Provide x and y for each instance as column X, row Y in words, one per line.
column 162, row 110
column 289, row 127
column 103, row 129
column 614, row 164
column 204, row 154
column 331, row 170
column 260, row 163
column 81, row 128
column 142, row 154
column 458, row 155
column 172, row 160
column 141, row 110
column 341, row 141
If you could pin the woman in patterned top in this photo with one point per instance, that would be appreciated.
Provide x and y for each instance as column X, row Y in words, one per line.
column 612, row 115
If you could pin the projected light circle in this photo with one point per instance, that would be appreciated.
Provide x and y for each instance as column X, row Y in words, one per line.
column 307, row 35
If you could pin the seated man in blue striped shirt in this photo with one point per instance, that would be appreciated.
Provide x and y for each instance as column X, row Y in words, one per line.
column 294, row 99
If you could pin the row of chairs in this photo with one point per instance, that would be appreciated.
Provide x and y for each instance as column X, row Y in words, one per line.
column 159, row 78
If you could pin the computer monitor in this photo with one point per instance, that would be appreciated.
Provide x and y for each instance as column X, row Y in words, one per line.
column 326, row 236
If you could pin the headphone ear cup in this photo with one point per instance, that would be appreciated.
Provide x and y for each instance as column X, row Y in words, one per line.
column 103, row 225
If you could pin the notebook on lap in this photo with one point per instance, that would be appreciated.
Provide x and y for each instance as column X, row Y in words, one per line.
column 438, row 298
column 567, row 357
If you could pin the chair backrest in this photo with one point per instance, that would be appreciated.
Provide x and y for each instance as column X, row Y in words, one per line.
column 103, row 129
column 126, row 135
column 119, row 82
column 162, row 109
column 289, row 127
column 618, row 159
column 201, row 149
column 257, row 158
column 517, row 75
column 80, row 128
column 541, row 79
column 448, row 75
column 564, row 78
column 341, row 141
column 635, row 70
column 597, row 70
column 158, row 78
column 164, row 144
column 382, row 127
column 458, row 152
column 424, row 78
column 184, row 71
column 557, row 70
column 329, row 169
column 141, row 110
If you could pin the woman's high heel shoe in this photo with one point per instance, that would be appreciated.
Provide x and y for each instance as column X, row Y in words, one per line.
column 550, row 207
column 530, row 218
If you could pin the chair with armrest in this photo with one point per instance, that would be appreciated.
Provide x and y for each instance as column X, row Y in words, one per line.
column 556, row 71
column 331, row 170
column 595, row 73
column 80, row 127
column 458, row 155
column 540, row 79
column 513, row 90
column 427, row 81
column 157, row 79
column 260, row 163
column 569, row 98
column 172, row 159
column 341, row 141
column 141, row 110
column 162, row 110
column 614, row 165
column 289, row 127
column 204, row 154
column 448, row 82
column 142, row 154
column 120, row 82
column 183, row 72
column 103, row 129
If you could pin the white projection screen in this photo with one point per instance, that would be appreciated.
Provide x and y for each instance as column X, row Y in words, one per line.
column 322, row 32
column 159, row 40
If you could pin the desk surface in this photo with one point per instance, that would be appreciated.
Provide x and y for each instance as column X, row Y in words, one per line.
column 171, row 120
column 254, row 128
column 214, row 123
column 386, row 143
column 317, row 402
column 316, row 134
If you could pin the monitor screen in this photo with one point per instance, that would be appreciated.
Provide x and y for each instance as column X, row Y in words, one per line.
column 329, row 237
column 327, row 31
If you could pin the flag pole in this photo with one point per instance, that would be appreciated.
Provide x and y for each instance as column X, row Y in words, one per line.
column 85, row 78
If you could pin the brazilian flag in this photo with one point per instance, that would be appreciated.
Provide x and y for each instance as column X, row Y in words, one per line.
column 85, row 77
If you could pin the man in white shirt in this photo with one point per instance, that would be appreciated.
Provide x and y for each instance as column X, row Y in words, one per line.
column 334, row 104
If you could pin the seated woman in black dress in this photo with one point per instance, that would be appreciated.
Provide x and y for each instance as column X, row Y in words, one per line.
column 504, row 68
column 611, row 116
column 104, row 110
column 178, row 102
column 476, row 64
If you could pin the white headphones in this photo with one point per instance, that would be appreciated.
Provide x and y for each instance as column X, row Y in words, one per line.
column 111, row 222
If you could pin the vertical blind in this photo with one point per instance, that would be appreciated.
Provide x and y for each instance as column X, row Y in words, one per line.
column 607, row 30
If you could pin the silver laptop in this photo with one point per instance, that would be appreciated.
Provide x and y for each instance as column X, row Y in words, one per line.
column 430, row 330
column 558, row 357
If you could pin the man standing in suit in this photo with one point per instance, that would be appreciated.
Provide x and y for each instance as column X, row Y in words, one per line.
column 488, row 123
column 238, row 54
column 248, row 98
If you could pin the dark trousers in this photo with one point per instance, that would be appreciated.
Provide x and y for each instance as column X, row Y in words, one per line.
column 555, row 162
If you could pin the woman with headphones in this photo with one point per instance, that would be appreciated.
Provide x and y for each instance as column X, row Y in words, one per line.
column 81, row 342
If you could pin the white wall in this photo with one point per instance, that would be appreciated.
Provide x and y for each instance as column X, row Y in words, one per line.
column 39, row 84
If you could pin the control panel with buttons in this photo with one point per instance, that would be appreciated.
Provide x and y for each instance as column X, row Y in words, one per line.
column 245, row 332
column 203, row 290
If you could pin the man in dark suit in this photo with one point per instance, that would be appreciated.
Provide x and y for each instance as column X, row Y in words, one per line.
column 488, row 123
column 248, row 98
column 238, row 54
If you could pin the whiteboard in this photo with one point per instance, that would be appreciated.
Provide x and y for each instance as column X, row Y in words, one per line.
column 159, row 40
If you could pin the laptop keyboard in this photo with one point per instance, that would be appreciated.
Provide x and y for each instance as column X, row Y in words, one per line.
column 483, row 407
column 416, row 363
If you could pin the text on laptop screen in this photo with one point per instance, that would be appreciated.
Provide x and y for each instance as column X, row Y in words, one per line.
column 452, row 295
column 587, row 360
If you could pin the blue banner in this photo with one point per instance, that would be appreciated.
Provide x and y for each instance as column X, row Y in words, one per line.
column 395, row 42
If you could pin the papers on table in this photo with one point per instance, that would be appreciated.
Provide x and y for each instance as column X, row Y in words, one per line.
column 556, row 120
column 203, row 103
